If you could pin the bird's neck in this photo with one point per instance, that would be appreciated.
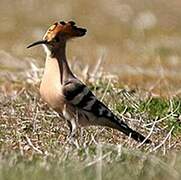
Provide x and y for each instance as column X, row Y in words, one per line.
column 57, row 65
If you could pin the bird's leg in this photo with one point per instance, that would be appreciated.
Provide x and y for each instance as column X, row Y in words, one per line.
column 72, row 123
column 73, row 129
column 70, row 128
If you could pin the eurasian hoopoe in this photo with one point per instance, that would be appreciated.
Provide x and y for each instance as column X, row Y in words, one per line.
column 68, row 95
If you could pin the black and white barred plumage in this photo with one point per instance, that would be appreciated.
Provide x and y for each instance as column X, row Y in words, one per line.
column 79, row 96
column 65, row 93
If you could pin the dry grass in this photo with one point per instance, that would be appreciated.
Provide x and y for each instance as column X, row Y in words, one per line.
column 33, row 137
column 139, row 45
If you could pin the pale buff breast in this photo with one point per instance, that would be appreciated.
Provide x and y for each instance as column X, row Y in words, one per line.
column 51, row 88
column 52, row 96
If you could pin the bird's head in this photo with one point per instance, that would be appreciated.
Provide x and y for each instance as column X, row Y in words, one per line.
column 59, row 33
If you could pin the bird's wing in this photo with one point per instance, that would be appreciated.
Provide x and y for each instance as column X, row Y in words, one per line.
column 80, row 96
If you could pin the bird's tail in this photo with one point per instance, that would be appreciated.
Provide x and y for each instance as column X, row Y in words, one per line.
column 133, row 134
column 116, row 123
column 105, row 117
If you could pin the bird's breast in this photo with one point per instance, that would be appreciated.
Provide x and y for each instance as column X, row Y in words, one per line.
column 51, row 93
column 51, row 88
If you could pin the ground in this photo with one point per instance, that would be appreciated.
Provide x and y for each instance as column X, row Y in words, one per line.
column 130, row 58
column 34, row 140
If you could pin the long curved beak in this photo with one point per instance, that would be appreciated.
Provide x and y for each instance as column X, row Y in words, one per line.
column 37, row 43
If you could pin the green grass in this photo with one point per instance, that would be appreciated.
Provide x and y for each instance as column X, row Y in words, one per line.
column 33, row 139
column 105, row 162
column 145, row 92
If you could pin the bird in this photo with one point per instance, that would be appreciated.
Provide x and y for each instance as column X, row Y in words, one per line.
column 66, row 94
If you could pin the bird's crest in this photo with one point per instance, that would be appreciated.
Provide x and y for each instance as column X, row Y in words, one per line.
column 68, row 30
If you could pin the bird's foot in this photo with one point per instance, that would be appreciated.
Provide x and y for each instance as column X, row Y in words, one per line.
column 73, row 140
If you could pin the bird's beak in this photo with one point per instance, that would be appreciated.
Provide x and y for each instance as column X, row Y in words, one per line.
column 37, row 43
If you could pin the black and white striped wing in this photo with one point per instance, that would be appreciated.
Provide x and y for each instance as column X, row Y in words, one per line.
column 79, row 95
